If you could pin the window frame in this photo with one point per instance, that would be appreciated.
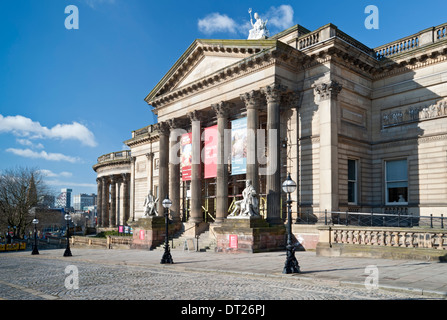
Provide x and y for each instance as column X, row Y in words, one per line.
column 386, row 183
column 356, row 182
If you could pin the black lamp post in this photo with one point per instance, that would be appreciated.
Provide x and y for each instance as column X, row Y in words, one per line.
column 291, row 265
column 35, row 250
column 167, row 258
column 67, row 252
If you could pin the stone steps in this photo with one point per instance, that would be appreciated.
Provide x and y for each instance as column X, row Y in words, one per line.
column 205, row 242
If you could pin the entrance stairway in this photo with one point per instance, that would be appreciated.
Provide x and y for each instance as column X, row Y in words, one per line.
column 205, row 242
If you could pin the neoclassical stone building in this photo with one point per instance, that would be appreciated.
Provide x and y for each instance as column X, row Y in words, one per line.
column 359, row 129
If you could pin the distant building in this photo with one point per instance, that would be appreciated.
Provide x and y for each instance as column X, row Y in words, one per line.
column 46, row 201
column 83, row 201
column 63, row 200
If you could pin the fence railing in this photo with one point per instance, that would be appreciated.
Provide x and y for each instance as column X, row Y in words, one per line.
column 392, row 218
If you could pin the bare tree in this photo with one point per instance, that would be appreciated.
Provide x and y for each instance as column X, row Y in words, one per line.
column 20, row 189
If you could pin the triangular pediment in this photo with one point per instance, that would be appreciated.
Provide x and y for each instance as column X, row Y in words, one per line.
column 208, row 64
column 204, row 58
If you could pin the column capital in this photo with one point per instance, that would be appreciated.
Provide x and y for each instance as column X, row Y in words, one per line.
column 150, row 155
column 328, row 90
column 273, row 92
column 251, row 99
column 195, row 116
column 162, row 127
column 222, row 109
column 292, row 100
column 177, row 123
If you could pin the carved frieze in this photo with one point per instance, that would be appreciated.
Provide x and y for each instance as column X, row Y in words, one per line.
column 414, row 114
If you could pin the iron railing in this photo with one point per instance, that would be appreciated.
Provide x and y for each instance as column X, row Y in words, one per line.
column 398, row 218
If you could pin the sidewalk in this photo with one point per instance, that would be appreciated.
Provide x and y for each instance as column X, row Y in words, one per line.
column 427, row 278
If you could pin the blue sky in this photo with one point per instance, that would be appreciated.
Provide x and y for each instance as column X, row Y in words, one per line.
column 70, row 96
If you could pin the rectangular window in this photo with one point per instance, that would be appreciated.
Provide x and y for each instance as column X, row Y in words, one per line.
column 352, row 181
column 396, row 182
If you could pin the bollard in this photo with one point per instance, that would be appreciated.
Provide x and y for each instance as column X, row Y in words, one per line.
column 431, row 221
column 442, row 221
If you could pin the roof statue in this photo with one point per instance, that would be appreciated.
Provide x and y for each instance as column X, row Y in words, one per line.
column 259, row 30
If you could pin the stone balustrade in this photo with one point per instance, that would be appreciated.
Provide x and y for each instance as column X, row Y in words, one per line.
column 389, row 237
column 414, row 41
column 120, row 155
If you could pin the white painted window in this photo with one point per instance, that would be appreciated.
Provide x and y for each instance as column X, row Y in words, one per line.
column 396, row 182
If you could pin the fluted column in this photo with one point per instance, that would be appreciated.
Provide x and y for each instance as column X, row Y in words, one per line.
column 126, row 178
column 163, row 170
column 327, row 94
column 174, row 166
column 99, row 203
column 273, row 177
column 196, row 169
column 112, row 222
column 222, row 109
column 105, row 202
column 252, row 102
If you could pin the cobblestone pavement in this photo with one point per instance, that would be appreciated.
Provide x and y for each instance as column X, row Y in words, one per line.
column 137, row 275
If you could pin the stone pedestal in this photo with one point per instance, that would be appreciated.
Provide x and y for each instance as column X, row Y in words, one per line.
column 249, row 235
column 149, row 232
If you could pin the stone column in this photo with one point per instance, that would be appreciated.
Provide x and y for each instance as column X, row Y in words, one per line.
column 99, row 203
column 252, row 102
column 132, row 190
column 126, row 208
column 174, row 167
column 163, row 170
column 105, row 202
column 196, row 169
column 113, row 211
column 273, row 177
column 327, row 107
column 223, row 150
column 150, row 172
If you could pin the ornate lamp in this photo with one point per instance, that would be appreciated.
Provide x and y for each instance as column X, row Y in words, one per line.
column 35, row 250
column 67, row 252
column 167, row 258
column 291, row 265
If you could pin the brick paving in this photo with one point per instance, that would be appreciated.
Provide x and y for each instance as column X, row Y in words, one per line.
column 138, row 275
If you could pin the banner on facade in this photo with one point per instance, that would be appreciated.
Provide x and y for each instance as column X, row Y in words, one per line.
column 186, row 156
column 210, row 136
column 239, row 146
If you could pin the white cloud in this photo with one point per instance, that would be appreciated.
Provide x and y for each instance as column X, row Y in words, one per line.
column 25, row 127
column 28, row 143
column 28, row 153
column 279, row 18
column 216, row 22
column 51, row 174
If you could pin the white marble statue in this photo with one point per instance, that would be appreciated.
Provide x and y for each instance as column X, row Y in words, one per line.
column 259, row 28
column 150, row 205
column 249, row 205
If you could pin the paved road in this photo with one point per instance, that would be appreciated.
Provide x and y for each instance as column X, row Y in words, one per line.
column 138, row 275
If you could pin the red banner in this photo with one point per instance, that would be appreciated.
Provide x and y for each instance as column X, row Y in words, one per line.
column 210, row 152
column 186, row 156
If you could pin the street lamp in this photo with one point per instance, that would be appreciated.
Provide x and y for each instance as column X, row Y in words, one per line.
column 167, row 258
column 67, row 252
column 35, row 250
column 291, row 265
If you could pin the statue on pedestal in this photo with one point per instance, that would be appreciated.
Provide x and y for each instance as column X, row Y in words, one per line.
column 249, row 205
column 259, row 30
column 150, row 205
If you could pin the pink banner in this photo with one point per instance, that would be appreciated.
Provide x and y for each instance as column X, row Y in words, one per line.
column 186, row 156
column 233, row 241
column 210, row 152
